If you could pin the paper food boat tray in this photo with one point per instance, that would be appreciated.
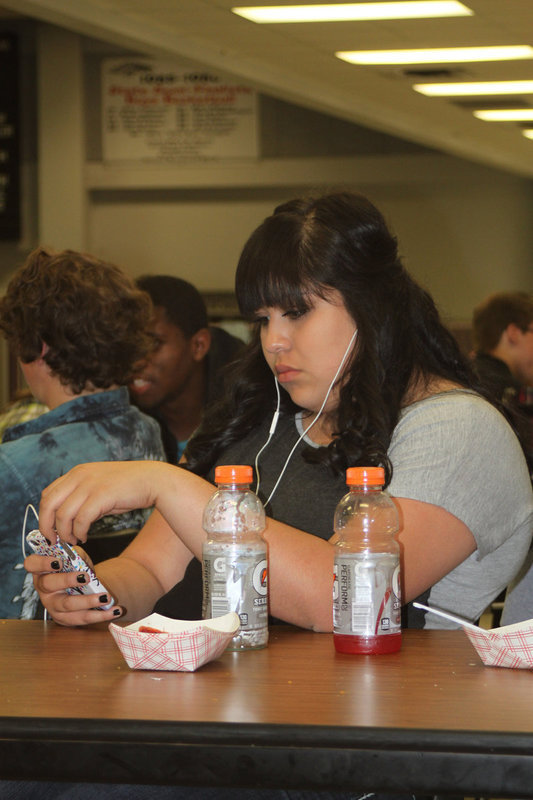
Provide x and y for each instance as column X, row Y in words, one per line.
column 184, row 646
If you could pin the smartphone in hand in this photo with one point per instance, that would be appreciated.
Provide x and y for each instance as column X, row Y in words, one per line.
column 72, row 562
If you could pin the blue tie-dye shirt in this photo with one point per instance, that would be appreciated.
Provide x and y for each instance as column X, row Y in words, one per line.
column 99, row 427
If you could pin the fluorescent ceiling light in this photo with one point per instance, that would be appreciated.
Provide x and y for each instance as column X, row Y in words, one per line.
column 505, row 114
column 528, row 133
column 436, row 55
column 474, row 88
column 337, row 12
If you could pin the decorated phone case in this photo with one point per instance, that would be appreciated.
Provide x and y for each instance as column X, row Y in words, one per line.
column 72, row 562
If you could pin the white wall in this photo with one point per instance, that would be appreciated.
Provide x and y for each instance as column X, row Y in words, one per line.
column 199, row 240
column 464, row 232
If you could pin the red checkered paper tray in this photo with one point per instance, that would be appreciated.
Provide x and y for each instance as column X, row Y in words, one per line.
column 158, row 642
column 508, row 646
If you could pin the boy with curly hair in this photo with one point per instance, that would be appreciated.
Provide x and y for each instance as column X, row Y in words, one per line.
column 78, row 327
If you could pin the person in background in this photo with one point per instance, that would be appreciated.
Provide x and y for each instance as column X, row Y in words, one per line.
column 184, row 373
column 502, row 327
column 78, row 326
column 22, row 408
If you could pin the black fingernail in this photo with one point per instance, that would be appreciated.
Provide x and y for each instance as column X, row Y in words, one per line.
column 104, row 598
column 117, row 612
column 81, row 578
column 55, row 565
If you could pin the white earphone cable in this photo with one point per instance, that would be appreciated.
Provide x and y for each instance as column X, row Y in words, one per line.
column 276, row 414
column 270, row 434
column 29, row 508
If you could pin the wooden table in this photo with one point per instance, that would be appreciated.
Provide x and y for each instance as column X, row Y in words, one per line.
column 429, row 719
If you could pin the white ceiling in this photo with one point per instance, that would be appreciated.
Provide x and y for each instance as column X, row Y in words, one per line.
column 297, row 63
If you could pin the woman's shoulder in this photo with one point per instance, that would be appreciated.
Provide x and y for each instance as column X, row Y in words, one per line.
column 455, row 415
column 450, row 399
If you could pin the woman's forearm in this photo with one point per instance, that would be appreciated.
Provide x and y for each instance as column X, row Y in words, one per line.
column 300, row 577
column 148, row 568
column 301, row 565
column 131, row 585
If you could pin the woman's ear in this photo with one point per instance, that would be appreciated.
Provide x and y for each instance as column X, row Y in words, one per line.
column 201, row 342
column 44, row 349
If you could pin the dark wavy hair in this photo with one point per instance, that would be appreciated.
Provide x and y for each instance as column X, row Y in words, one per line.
column 342, row 242
column 90, row 314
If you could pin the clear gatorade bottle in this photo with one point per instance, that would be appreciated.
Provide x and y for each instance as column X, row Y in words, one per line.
column 366, row 588
column 235, row 567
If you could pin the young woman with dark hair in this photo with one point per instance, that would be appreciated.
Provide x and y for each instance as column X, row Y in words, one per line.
column 307, row 249
column 367, row 375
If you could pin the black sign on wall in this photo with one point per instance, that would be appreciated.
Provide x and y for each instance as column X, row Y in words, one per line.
column 9, row 138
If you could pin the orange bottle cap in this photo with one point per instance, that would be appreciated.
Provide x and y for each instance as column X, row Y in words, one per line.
column 234, row 473
column 364, row 476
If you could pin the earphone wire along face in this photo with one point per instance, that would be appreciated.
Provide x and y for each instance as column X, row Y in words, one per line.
column 272, row 428
column 275, row 418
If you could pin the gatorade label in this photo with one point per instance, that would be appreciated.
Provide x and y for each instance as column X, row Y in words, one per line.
column 236, row 583
column 366, row 594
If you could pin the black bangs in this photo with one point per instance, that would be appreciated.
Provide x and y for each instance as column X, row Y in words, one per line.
column 274, row 268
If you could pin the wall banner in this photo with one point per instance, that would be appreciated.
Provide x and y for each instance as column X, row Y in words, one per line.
column 9, row 138
column 157, row 110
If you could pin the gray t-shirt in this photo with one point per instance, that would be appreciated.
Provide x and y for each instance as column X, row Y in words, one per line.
column 456, row 451
column 453, row 450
